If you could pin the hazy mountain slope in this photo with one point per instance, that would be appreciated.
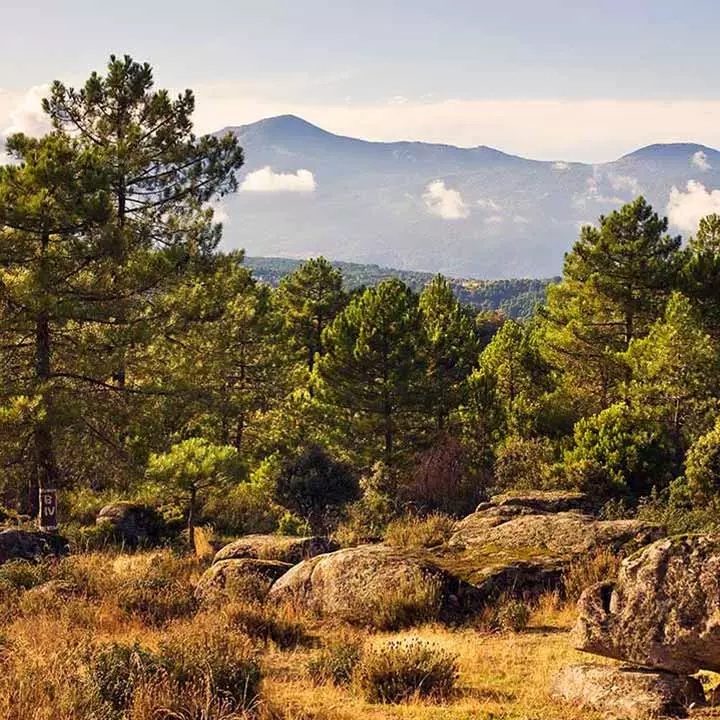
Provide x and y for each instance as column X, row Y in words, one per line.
column 516, row 217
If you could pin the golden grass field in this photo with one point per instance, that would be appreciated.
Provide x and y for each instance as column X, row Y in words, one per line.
column 45, row 638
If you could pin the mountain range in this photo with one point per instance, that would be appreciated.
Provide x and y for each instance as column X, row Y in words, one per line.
column 470, row 212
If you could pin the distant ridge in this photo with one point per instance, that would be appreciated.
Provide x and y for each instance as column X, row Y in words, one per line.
column 467, row 212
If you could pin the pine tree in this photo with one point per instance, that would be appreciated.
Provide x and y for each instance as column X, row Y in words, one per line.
column 373, row 369
column 631, row 261
column 452, row 348
column 676, row 370
column 700, row 279
column 53, row 204
column 308, row 300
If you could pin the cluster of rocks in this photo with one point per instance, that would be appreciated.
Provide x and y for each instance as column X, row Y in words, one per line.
column 514, row 545
column 661, row 617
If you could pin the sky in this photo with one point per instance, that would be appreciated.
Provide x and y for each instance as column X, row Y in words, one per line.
column 551, row 80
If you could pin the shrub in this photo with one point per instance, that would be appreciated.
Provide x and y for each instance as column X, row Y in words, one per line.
column 428, row 531
column 400, row 671
column 161, row 593
column 223, row 662
column 702, row 468
column 524, row 464
column 23, row 575
column 625, row 445
column 314, row 485
column 513, row 616
column 442, row 478
column 336, row 662
column 602, row 565
column 266, row 623
column 115, row 671
column 370, row 515
column 414, row 600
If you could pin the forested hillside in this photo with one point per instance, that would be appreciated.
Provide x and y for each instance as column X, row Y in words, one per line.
column 264, row 467
column 139, row 361
column 514, row 298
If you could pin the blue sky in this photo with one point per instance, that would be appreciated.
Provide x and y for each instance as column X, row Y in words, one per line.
column 571, row 80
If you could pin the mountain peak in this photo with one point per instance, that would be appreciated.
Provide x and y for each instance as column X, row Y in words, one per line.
column 669, row 151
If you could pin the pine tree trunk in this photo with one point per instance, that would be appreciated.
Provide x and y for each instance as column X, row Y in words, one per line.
column 46, row 474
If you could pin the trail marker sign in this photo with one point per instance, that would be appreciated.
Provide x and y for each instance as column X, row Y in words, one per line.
column 48, row 519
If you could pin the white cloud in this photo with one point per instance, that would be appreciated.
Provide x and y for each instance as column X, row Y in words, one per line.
column 445, row 202
column 700, row 160
column 561, row 166
column 494, row 220
column 625, row 184
column 520, row 220
column 686, row 209
column 267, row 180
column 488, row 204
column 24, row 113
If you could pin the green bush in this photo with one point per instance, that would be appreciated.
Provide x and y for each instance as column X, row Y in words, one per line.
column 524, row 464
column 620, row 451
column 115, row 672
column 702, row 468
column 513, row 616
column 336, row 662
column 23, row 575
column 401, row 671
column 315, row 486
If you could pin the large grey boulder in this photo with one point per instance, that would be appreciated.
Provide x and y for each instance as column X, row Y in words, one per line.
column 662, row 612
column 244, row 579
column 368, row 584
column 132, row 523
column 20, row 544
column 628, row 693
column 561, row 535
column 285, row 548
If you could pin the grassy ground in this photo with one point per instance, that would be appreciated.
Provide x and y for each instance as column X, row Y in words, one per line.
column 47, row 640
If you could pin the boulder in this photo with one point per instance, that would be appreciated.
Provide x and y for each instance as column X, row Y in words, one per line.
column 662, row 612
column 133, row 523
column 247, row 578
column 561, row 535
column 285, row 548
column 19, row 544
column 540, row 501
column 628, row 693
column 364, row 584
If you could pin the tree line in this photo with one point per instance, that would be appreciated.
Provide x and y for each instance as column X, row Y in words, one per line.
column 140, row 362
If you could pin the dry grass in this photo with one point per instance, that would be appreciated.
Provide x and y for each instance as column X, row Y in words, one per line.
column 46, row 646
column 420, row 532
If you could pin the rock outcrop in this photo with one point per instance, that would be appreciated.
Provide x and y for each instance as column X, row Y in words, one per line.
column 522, row 543
column 628, row 693
column 285, row 548
column 19, row 544
column 132, row 523
column 560, row 534
column 246, row 578
column 662, row 612
column 368, row 583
